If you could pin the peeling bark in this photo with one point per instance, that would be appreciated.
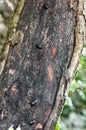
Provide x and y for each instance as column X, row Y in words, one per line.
column 38, row 71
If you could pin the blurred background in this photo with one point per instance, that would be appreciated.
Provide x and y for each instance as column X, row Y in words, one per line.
column 74, row 112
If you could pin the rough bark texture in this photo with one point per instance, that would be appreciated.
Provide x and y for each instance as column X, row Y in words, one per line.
column 34, row 81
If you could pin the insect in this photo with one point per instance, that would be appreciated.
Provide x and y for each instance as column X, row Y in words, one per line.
column 32, row 122
column 33, row 103
column 45, row 5
column 39, row 46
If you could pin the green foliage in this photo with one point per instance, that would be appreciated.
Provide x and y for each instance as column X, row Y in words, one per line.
column 1, row 1
column 57, row 126
column 74, row 113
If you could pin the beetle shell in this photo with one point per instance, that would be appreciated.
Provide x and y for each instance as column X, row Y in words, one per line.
column 45, row 5
column 32, row 122
column 33, row 103
column 39, row 46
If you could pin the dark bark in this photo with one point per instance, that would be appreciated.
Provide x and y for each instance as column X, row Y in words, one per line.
column 36, row 69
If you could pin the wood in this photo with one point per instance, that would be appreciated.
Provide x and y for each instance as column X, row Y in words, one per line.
column 38, row 71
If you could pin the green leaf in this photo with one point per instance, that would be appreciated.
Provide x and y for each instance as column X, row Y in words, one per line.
column 57, row 127
column 74, row 86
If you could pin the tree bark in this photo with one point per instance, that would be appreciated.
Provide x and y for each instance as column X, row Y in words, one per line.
column 39, row 70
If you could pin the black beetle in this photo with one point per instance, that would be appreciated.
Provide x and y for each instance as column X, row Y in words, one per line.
column 39, row 46
column 32, row 122
column 45, row 5
column 34, row 102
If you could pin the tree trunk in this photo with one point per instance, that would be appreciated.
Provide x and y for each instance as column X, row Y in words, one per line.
column 39, row 70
